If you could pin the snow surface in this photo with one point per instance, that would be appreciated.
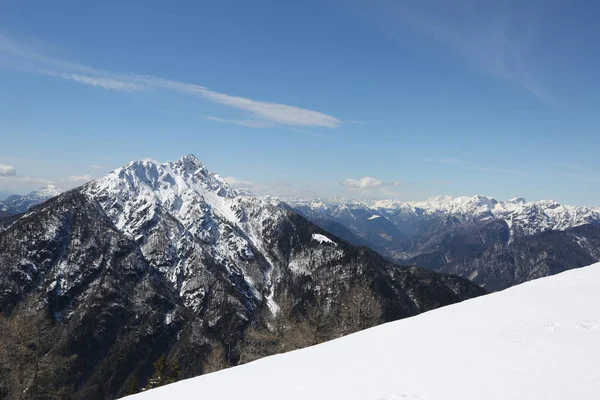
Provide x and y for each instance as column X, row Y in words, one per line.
column 538, row 340
column 322, row 238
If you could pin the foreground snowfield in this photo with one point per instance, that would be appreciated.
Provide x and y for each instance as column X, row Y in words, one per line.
column 538, row 340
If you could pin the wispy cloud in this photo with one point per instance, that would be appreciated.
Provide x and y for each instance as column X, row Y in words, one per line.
column 80, row 178
column 356, row 122
column 101, row 82
column 583, row 177
column 491, row 39
column 252, row 123
column 500, row 170
column 239, row 183
column 7, row 170
column 96, row 166
column 282, row 189
column 16, row 183
column 15, row 55
column 25, row 179
column 571, row 166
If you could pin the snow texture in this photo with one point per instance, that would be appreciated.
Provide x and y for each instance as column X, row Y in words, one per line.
column 538, row 340
column 322, row 239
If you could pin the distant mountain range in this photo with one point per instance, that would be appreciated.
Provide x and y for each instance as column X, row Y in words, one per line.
column 158, row 259
column 16, row 204
column 494, row 243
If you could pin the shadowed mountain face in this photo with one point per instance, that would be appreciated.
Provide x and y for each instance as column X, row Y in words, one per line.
column 159, row 259
column 496, row 244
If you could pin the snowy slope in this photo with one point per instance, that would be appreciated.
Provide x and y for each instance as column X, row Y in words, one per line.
column 538, row 340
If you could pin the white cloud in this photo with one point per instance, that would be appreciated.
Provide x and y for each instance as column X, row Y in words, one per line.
column 252, row 123
column 7, row 170
column 97, row 81
column 80, row 178
column 362, row 183
column 238, row 183
column 95, row 166
column 275, row 112
column 369, row 183
column 19, row 56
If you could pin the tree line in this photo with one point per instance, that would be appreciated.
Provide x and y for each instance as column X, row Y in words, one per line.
column 35, row 363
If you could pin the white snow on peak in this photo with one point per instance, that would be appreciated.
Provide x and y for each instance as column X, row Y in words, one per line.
column 538, row 340
column 47, row 192
column 526, row 217
column 372, row 217
column 322, row 239
column 19, row 204
column 180, row 208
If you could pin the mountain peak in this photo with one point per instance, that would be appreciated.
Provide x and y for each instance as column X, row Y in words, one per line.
column 190, row 162
column 518, row 200
column 49, row 190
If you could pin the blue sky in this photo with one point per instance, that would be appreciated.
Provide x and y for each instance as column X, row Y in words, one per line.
column 378, row 98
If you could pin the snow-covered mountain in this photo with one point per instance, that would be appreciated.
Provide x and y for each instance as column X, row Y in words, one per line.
column 476, row 237
column 168, row 259
column 538, row 340
column 523, row 217
column 16, row 204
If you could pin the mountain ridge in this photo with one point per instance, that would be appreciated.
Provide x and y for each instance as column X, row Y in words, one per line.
column 477, row 237
column 16, row 204
column 167, row 259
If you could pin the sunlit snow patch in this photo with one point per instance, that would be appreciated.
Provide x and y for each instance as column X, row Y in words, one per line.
column 322, row 239
column 374, row 217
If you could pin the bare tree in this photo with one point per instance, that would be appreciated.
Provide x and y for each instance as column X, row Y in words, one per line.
column 359, row 309
column 165, row 372
column 275, row 333
column 356, row 309
column 216, row 360
column 31, row 364
column 320, row 320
